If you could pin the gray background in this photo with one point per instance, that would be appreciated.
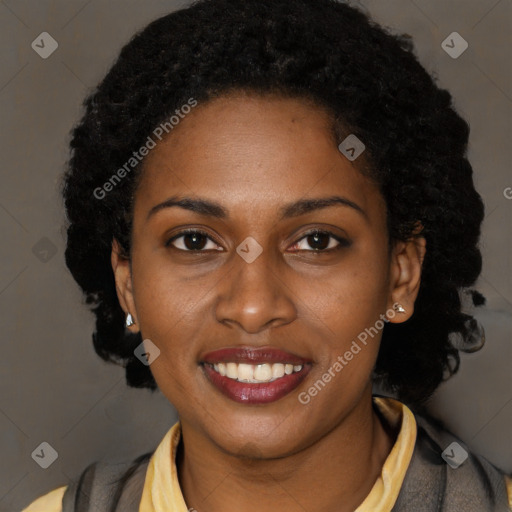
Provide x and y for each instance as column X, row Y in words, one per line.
column 54, row 387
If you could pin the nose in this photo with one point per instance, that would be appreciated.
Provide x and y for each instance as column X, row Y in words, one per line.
column 254, row 296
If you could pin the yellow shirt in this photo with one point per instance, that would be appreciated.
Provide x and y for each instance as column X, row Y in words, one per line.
column 162, row 491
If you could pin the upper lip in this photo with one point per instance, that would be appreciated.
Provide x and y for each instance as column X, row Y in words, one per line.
column 250, row 355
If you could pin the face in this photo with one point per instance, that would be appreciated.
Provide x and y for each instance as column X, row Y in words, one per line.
column 258, row 280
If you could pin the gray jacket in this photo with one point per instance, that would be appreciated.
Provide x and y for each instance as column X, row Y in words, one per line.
column 430, row 484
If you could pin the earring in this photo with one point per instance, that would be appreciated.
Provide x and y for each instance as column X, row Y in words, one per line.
column 129, row 320
column 398, row 308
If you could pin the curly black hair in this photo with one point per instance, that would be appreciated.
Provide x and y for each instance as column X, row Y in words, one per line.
column 371, row 83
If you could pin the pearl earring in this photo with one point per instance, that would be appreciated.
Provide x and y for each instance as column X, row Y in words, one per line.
column 129, row 320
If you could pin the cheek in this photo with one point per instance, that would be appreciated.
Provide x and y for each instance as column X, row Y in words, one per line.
column 348, row 309
column 168, row 308
column 167, row 311
column 353, row 297
column 167, row 297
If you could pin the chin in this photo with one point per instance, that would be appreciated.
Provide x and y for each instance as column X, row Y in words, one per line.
column 263, row 441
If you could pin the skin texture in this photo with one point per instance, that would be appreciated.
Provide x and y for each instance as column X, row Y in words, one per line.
column 252, row 155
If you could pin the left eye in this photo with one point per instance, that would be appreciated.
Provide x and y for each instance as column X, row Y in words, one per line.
column 319, row 240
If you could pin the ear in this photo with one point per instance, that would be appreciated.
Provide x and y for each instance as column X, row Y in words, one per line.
column 123, row 277
column 406, row 264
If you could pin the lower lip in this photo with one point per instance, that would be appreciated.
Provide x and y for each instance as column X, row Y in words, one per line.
column 251, row 393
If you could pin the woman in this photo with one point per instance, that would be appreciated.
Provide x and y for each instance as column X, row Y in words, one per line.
column 270, row 209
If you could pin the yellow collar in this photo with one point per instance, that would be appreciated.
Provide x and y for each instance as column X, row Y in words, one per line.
column 162, row 491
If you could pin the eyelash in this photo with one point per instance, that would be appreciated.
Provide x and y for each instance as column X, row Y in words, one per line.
column 342, row 242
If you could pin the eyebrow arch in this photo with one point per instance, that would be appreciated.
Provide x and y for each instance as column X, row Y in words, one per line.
column 295, row 209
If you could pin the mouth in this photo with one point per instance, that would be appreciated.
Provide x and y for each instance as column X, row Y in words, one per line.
column 254, row 376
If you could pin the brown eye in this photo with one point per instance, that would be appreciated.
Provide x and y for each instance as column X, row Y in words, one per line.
column 192, row 240
column 321, row 241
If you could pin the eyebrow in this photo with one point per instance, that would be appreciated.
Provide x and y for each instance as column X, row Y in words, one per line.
column 290, row 210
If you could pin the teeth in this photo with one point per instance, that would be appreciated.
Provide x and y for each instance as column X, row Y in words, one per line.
column 246, row 372
column 277, row 370
column 232, row 370
column 262, row 372
column 255, row 373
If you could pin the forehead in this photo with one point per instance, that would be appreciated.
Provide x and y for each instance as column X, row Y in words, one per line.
column 251, row 152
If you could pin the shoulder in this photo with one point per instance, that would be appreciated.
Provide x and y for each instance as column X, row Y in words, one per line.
column 508, row 482
column 95, row 483
column 50, row 502
column 444, row 468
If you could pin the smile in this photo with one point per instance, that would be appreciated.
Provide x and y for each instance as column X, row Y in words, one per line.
column 255, row 373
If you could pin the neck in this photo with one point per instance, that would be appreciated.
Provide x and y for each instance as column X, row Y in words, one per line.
column 336, row 472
